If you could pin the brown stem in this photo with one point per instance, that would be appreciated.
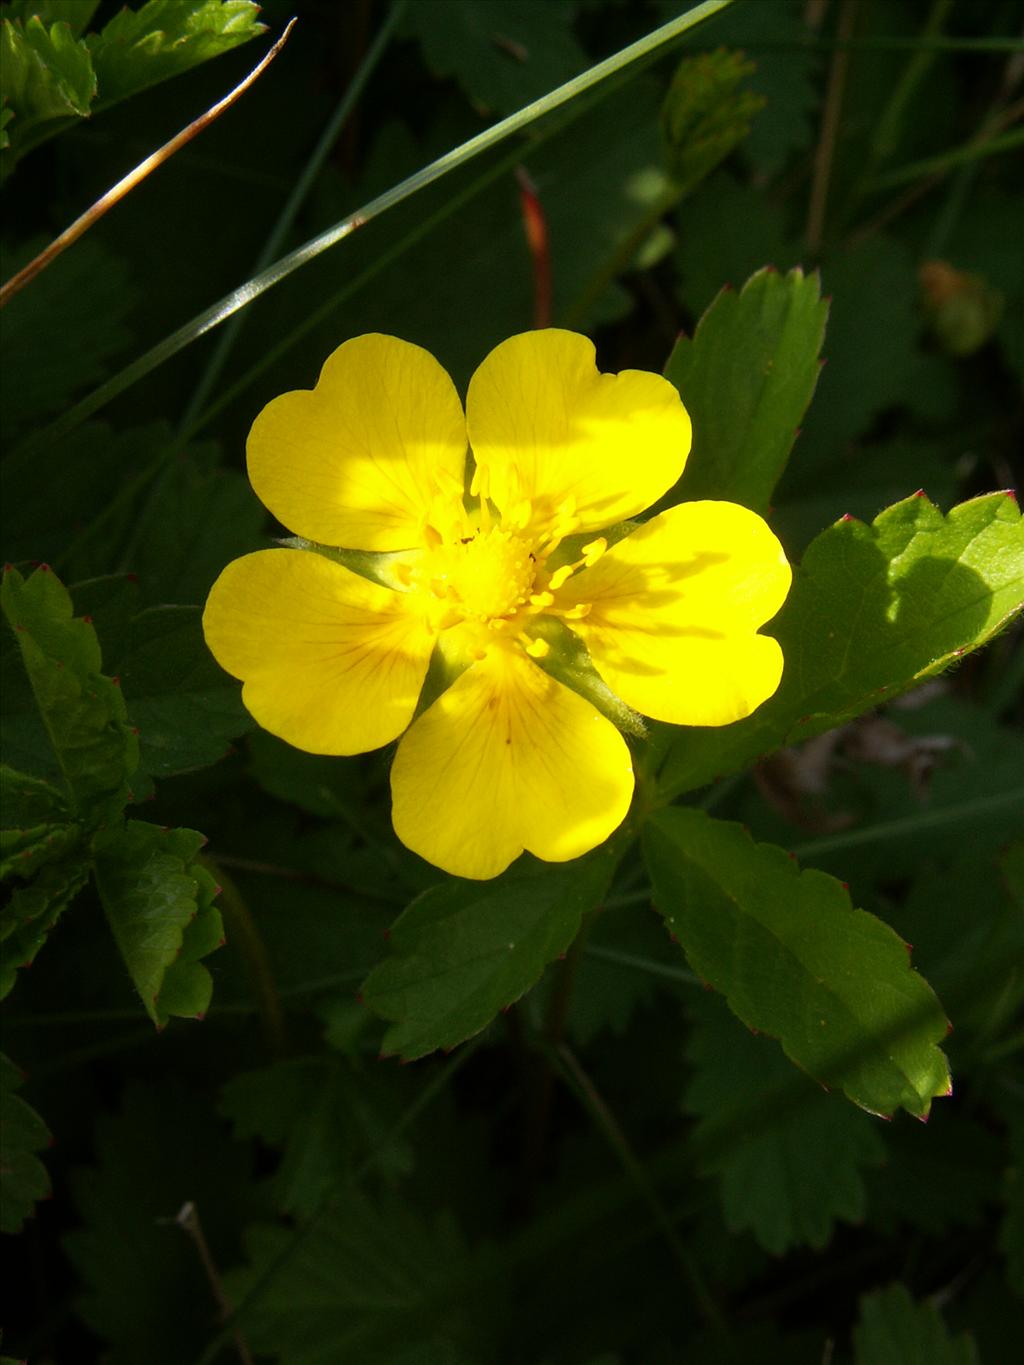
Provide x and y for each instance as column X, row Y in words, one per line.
column 535, row 225
column 188, row 1220
column 107, row 201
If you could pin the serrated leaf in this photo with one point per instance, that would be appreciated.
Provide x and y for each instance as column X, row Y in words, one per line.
column 361, row 1284
column 23, row 1178
column 75, row 13
column 37, row 823
column 505, row 53
column 82, row 710
column 139, row 48
column 790, row 1159
column 45, row 73
column 706, row 114
column 159, row 904
column 795, row 960
column 321, row 1114
column 464, row 950
column 746, row 378
column 873, row 611
column 894, row 1330
column 31, row 911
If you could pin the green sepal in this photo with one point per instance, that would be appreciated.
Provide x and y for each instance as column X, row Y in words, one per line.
column 795, row 960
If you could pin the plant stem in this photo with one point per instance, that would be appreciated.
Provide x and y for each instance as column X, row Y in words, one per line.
column 188, row 1221
column 829, row 128
column 254, row 953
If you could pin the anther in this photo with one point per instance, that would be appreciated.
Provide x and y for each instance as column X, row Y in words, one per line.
column 537, row 649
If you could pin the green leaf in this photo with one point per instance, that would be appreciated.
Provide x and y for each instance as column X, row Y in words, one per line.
column 464, row 950
column 23, row 1178
column 45, row 74
column 164, row 38
column 746, row 378
column 795, row 960
column 185, row 707
column 159, row 904
column 790, row 1159
column 873, row 611
column 75, row 13
column 83, row 711
column 361, row 1285
column 37, row 825
column 31, row 911
column 505, row 53
column 322, row 1114
column 706, row 114
column 894, row 1330
column 59, row 338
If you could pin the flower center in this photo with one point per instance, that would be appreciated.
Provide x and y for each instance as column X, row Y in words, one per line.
column 486, row 576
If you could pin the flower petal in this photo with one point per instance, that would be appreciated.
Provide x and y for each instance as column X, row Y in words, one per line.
column 376, row 450
column 332, row 663
column 674, row 608
column 546, row 427
column 508, row 759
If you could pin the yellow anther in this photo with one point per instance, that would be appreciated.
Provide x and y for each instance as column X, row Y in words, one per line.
column 540, row 600
column 576, row 613
column 561, row 576
column 537, row 649
column 593, row 552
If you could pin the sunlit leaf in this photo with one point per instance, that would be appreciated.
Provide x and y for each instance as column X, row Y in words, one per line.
column 164, row 38
column 873, row 611
column 23, row 1178
column 746, row 378
column 795, row 960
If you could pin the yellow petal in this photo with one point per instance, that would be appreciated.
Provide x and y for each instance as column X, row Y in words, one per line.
column 376, row 450
column 331, row 663
column 508, row 759
column 673, row 612
column 547, row 428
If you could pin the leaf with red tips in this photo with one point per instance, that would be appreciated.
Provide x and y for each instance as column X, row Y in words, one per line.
column 874, row 610
column 746, row 379
column 159, row 903
column 796, row 960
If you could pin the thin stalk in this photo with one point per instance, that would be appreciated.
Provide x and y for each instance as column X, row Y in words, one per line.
column 884, row 139
column 239, row 298
column 829, row 128
column 644, row 964
column 295, row 200
column 242, row 927
column 188, row 1220
column 910, row 824
column 582, row 1085
column 124, row 186
column 972, row 151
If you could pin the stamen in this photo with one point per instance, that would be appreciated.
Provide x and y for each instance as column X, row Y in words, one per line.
column 593, row 552
column 540, row 600
column 537, row 649
column 562, row 575
column 432, row 537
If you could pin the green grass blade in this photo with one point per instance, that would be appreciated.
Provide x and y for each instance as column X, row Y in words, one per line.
column 280, row 270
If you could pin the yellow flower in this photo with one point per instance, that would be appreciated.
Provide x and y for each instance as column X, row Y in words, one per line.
column 490, row 583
